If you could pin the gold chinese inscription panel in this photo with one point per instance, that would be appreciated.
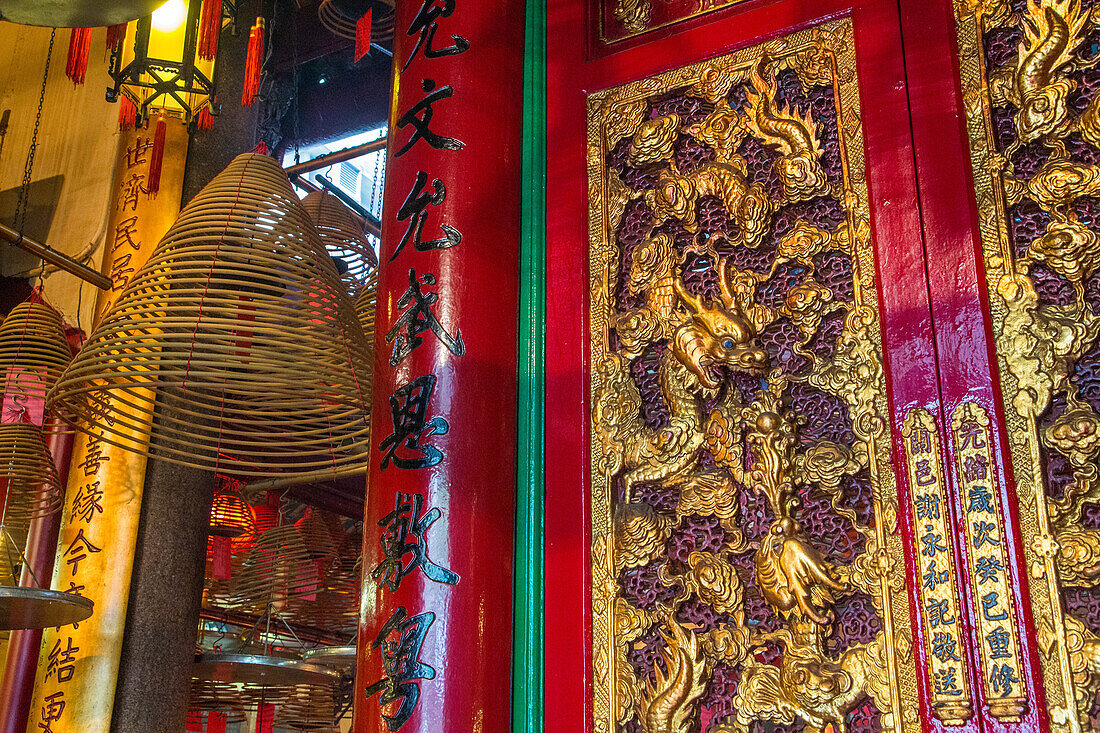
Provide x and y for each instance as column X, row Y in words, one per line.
column 746, row 562
column 1029, row 77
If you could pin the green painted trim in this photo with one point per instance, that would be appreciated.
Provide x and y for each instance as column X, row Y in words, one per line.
column 527, row 668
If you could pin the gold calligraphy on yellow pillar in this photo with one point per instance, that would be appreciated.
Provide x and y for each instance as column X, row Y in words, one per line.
column 943, row 640
column 78, row 664
column 989, row 566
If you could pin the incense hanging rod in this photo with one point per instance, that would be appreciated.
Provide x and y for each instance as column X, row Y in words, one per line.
column 58, row 259
column 337, row 157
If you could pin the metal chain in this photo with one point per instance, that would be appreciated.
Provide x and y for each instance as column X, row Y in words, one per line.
column 21, row 205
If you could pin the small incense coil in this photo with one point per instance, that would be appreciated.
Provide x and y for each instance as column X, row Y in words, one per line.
column 276, row 570
column 381, row 26
column 218, row 697
column 341, row 230
column 230, row 515
column 33, row 488
column 32, row 341
column 238, row 320
column 319, row 532
column 308, row 708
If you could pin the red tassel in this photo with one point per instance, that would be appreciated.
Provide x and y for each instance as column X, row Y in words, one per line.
column 362, row 36
column 156, row 157
column 116, row 34
column 210, row 27
column 261, row 148
column 253, row 64
column 204, row 120
column 76, row 66
column 127, row 113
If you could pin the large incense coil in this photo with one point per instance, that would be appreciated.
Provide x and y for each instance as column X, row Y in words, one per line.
column 240, row 322
column 26, row 466
column 339, row 24
column 276, row 570
column 341, row 230
column 33, row 348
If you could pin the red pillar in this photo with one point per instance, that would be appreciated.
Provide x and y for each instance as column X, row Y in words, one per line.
column 23, row 646
column 435, row 638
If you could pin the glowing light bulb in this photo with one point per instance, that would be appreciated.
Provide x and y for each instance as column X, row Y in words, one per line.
column 170, row 16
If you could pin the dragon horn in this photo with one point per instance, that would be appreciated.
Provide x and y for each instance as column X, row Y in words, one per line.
column 693, row 302
column 723, row 282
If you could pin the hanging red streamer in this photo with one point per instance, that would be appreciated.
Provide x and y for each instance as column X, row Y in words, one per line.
column 362, row 35
column 210, row 27
column 156, row 157
column 253, row 64
column 221, row 556
column 216, row 722
column 76, row 66
column 116, row 34
column 127, row 113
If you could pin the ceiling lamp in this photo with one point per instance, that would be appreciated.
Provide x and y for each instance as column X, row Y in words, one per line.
column 341, row 231
column 162, row 65
column 75, row 13
column 240, row 321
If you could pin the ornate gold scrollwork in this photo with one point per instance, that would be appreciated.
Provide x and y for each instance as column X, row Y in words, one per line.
column 1029, row 74
column 702, row 369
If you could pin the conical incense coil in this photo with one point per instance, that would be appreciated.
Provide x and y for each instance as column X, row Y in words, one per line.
column 240, row 323
column 33, row 349
column 230, row 515
column 308, row 708
column 27, row 468
column 341, row 231
column 277, row 569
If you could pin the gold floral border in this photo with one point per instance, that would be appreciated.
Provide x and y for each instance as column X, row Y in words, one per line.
column 619, row 111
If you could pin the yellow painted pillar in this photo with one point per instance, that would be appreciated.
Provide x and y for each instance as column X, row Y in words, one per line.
column 78, row 665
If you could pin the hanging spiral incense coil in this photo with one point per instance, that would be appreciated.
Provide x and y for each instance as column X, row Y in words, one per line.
column 33, row 349
column 26, row 466
column 341, row 231
column 218, row 697
column 342, row 25
column 239, row 321
column 308, row 708
column 276, row 570
column 230, row 515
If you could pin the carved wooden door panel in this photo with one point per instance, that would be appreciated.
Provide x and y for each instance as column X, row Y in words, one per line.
column 1012, row 215
column 758, row 516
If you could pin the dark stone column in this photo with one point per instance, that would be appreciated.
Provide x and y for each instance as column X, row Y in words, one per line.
column 154, row 676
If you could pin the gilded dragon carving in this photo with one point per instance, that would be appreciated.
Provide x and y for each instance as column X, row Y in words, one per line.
column 1029, row 80
column 712, row 485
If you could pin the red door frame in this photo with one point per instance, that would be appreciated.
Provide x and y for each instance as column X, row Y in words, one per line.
column 574, row 68
column 967, row 365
